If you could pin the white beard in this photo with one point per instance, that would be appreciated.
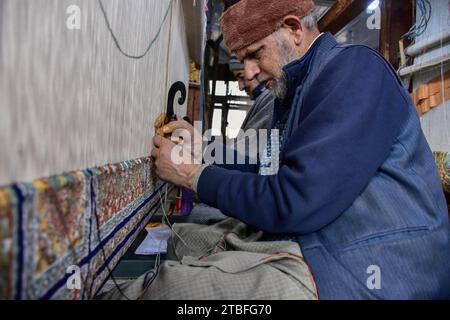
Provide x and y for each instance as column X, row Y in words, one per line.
column 287, row 55
column 279, row 89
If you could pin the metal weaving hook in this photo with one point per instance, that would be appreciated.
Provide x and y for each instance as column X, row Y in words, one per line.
column 177, row 86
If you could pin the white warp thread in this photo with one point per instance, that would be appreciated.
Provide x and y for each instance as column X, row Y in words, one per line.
column 68, row 98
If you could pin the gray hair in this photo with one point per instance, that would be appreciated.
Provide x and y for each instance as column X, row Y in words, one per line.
column 310, row 21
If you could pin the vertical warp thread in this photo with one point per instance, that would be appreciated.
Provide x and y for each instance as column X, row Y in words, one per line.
column 79, row 102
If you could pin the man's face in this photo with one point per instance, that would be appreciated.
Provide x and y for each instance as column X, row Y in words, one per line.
column 264, row 61
column 248, row 85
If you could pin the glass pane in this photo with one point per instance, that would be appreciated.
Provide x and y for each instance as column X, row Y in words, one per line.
column 235, row 120
column 216, row 122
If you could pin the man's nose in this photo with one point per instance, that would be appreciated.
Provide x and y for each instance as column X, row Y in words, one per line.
column 251, row 69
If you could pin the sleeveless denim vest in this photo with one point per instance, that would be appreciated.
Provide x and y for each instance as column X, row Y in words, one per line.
column 393, row 241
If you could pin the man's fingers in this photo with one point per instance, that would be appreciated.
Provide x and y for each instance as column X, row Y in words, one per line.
column 160, row 121
column 155, row 153
column 157, row 141
column 175, row 125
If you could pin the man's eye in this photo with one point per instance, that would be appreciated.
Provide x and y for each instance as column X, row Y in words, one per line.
column 256, row 55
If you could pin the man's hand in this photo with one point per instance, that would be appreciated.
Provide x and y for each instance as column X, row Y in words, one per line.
column 182, row 132
column 169, row 128
column 162, row 120
column 174, row 163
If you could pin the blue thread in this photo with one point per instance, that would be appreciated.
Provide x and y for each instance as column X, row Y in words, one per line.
column 90, row 176
column 103, row 267
column 20, row 241
column 116, row 42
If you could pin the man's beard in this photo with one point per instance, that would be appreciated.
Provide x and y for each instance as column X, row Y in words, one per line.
column 279, row 88
column 287, row 55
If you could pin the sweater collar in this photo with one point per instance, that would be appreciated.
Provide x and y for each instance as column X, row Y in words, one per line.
column 258, row 91
column 297, row 70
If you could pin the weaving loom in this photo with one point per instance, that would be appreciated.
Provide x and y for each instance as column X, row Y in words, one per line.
column 81, row 102
column 87, row 218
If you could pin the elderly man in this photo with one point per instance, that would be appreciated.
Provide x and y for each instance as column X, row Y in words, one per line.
column 347, row 174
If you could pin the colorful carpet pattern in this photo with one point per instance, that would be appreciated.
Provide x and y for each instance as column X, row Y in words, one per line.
column 79, row 221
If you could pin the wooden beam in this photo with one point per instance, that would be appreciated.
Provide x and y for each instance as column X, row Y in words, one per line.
column 396, row 20
column 341, row 13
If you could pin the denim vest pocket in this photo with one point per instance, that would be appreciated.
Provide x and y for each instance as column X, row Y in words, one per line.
column 386, row 237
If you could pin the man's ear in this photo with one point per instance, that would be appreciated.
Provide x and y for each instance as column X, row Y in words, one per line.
column 294, row 27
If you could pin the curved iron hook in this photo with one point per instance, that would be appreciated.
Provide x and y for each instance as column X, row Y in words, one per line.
column 177, row 86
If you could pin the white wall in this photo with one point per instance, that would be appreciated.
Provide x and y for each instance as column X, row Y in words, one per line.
column 68, row 98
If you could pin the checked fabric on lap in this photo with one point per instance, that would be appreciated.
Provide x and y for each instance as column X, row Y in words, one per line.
column 443, row 164
column 224, row 261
